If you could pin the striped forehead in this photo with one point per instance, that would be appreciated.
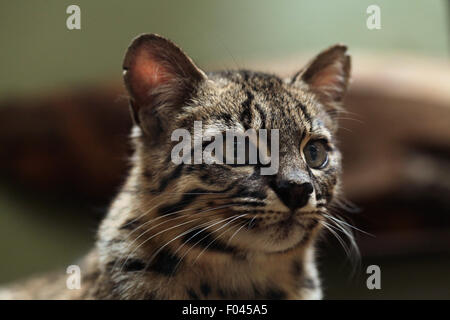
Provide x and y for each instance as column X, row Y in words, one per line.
column 240, row 101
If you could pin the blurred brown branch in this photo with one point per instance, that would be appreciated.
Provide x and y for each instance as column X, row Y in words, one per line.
column 73, row 144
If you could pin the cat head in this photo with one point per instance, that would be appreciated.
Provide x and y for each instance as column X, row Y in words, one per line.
column 269, row 212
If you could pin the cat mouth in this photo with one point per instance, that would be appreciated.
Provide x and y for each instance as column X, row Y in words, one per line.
column 294, row 223
column 291, row 220
column 288, row 222
column 284, row 225
column 286, row 232
column 296, row 217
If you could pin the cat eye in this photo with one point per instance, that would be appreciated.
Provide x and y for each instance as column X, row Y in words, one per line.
column 316, row 154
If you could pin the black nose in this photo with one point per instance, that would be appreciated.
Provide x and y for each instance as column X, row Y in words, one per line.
column 293, row 195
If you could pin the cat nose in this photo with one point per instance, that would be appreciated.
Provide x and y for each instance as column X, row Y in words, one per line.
column 294, row 195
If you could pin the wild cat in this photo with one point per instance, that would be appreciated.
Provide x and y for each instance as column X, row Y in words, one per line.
column 217, row 230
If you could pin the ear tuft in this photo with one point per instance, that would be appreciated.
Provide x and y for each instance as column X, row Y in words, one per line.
column 327, row 75
column 158, row 75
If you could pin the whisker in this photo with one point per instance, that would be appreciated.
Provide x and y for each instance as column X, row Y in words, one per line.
column 346, row 129
column 236, row 232
column 165, row 230
column 156, row 234
column 240, row 216
column 342, row 203
column 147, row 211
column 185, row 242
column 198, row 240
column 353, row 251
column 190, row 230
column 147, row 230
column 349, row 113
column 348, row 225
column 352, row 119
column 162, row 216
column 182, row 234
column 342, row 242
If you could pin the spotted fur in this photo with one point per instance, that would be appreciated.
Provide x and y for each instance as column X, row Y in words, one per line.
column 197, row 231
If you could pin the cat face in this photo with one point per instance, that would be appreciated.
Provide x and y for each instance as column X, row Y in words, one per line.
column 243, row 207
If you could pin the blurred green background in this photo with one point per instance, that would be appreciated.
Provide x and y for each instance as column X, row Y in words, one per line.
column 39, row 55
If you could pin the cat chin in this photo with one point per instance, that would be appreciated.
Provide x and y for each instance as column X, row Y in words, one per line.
column 275, row 238
column 284, row 236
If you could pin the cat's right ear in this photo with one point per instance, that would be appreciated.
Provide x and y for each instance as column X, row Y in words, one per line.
column 327, row 76
column 160, row 78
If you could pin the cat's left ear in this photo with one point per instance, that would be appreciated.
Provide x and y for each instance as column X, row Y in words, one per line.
column 327, row 75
